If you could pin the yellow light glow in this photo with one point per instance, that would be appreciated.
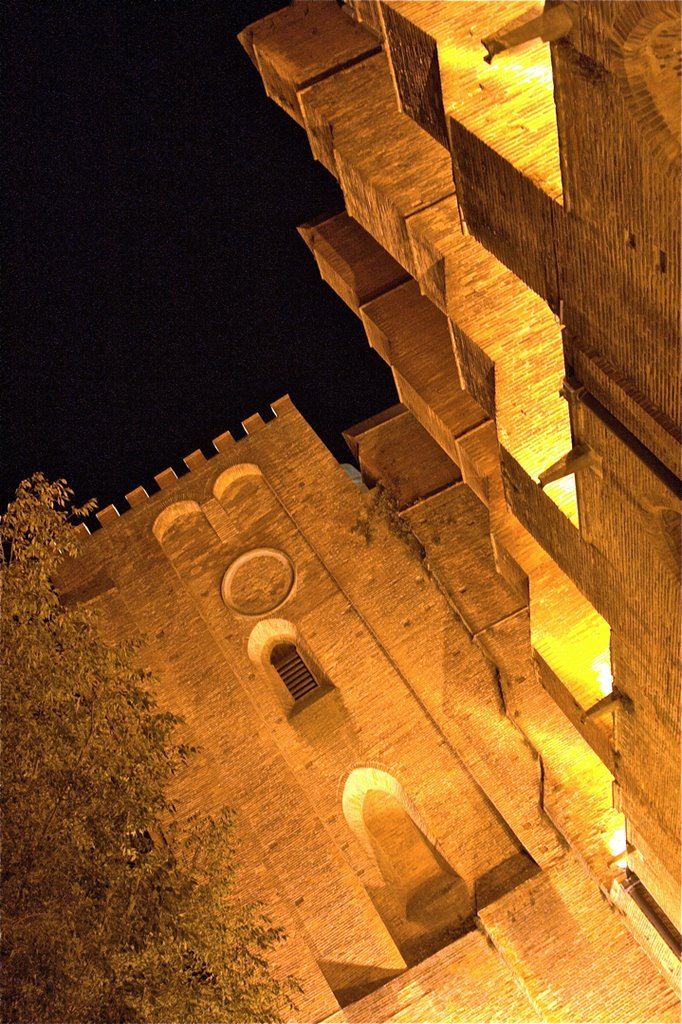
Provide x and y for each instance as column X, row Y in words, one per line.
column 563, row 493
column 539, row 71
column 616, row 845
column 602, row 668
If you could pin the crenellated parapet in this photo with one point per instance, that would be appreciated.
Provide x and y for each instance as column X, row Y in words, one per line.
column 194, row 462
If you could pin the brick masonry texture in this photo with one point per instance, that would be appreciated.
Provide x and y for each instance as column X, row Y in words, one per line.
column 448, row 825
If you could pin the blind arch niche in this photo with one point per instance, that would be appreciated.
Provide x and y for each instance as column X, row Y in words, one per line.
column 424, row 903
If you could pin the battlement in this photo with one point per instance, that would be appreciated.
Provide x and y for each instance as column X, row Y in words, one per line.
column 193, row 462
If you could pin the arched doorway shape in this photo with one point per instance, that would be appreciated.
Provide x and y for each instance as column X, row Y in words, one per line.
column 359, row 782
column 424, row 903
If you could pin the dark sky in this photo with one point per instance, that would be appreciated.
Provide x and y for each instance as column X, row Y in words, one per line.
column 156, row 288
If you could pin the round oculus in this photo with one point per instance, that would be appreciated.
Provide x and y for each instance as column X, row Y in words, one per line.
column 258, row 581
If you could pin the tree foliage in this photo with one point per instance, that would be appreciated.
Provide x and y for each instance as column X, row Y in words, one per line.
column 112, row 912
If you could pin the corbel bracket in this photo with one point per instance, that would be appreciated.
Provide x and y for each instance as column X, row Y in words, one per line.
column 553, row 23
column 608, row 703
column 580, row 457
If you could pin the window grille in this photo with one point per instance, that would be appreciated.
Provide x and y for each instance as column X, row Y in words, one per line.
column 293, row 671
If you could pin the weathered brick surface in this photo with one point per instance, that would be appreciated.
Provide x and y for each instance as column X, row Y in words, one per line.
column 350, row 260
column 454, row 527
column 414, row 57
column 412, row 336
column 346, row 117
column 619, row 227
column 302, row 44
column 573, row 954
column 504, row 349
column 396, row 451
column 628, row 554
column 479, row 459
column 368, row 14
column 285, row 771
column 647, row 864
column 499, row 123
column 435, row 670
column 465, row 982
column 449, row 735
column 645, row 739
column 622, row 219
column 518, row 228
column 576, row 786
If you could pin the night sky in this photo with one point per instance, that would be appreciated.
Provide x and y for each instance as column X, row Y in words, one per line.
column 157, row 290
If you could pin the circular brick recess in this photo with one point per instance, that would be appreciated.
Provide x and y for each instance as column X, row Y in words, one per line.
column 258, row 581
column 648, row 58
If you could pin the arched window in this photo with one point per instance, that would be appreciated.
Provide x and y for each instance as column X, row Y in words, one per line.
column 283, row 657
column 293, row 671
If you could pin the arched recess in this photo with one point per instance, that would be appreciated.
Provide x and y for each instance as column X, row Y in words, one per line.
column 231, row 475
column 252, row 508
column 663, row 525
column 647, row 57
column 190, row 544
column 424, row 903
column 359, row 783
column 173, row 514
